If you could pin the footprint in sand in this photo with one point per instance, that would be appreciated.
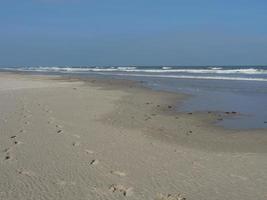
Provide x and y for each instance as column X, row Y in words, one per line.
column 189, row 132
column 89, row 151
column 50, row 121
column 60, row 131
column 6, row 150
column 94, row 162
column 118, row 173
column 58, row 126
column 7, row 156
column 125, row 191
column 27, row 116
column 26, row 173
column 75, row 144
column 17, row 142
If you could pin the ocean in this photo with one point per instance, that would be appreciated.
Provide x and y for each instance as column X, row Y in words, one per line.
column 242, row 89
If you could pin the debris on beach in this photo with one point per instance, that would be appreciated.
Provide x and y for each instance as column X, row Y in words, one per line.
column 126, row 191
column 232, row 112
column 170, row 197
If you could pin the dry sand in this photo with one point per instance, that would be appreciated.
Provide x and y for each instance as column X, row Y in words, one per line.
column 106, row 139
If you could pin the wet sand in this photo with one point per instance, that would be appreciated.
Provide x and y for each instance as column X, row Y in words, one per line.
column 69, row 138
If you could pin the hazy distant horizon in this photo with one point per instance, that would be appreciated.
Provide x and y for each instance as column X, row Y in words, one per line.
column 2, row 66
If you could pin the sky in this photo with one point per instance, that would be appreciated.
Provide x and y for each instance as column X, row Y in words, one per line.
column 133, row 32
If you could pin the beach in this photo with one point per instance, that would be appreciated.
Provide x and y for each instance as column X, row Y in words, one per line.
column 87, row 138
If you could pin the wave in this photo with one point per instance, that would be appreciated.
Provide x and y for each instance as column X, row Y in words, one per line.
column 192, row 77
column 213, row 70
column 164, row 68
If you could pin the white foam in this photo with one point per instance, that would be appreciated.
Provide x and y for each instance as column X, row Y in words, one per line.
column 192, row 77
column 213, row 70
column 164, row 68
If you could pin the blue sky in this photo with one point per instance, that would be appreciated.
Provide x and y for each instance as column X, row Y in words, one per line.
column 133, row 32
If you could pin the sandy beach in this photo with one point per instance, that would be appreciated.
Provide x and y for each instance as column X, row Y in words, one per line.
column 68, row 138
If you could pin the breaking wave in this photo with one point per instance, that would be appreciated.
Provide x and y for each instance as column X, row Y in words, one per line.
column 211, row 70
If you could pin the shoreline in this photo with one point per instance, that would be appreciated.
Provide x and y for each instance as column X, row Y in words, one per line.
column 67, row 138
column 219, row 115
column 169, row 100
